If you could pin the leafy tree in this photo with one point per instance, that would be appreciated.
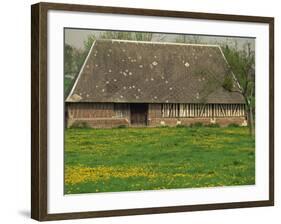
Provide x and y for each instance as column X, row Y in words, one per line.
column 191, row 39
column 242, row 63
column 73, row 61
column 69, row 60
column 228, row 83
column 143, row 36
column 88, row 44
column 139, row 36
column 117, row 35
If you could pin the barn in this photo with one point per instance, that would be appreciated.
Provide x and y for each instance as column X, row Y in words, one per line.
column 138, row 83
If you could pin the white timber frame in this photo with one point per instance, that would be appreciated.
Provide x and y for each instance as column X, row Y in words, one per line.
column 181, row 110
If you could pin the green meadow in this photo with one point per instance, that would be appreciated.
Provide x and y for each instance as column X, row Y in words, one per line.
column 133, row 159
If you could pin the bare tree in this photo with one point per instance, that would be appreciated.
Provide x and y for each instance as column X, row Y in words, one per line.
column 241, row 65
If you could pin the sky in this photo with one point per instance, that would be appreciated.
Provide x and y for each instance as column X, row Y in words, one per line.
column 76, row 38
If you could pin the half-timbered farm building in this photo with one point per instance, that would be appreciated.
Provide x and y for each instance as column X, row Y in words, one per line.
column 137, row 83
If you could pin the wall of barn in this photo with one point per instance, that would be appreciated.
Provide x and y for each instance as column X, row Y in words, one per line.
column 156, row 117
column 108, row 115
column 97, row 115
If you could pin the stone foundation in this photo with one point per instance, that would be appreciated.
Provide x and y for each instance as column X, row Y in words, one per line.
column 98, row 122
column 222, row 121
column 154, row 122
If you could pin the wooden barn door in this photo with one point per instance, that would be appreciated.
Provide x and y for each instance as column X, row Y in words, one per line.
column 138, row 114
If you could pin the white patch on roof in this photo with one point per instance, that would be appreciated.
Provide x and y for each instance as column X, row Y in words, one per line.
column 107, row 82
column 186, row 64
column 152, row 79
column 103, row 90
column 109, row 70
column 121, row 96
column 124, row 73
column 139, row 90
column 171, row 88
column 166, row 81
column 141, row 66
column 155, row 97
column 75, row 98
column 115, row 80
column 124, row 87
column 155, row 63
column 133, row 87
column 130, row 73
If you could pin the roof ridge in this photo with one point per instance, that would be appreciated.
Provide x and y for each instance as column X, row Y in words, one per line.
column 158, row 42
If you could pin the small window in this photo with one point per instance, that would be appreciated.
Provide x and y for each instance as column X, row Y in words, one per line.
column 121, row 110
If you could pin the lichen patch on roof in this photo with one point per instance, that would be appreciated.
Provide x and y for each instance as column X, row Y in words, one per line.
column 74, row 98
column 155, row 63
column 174, row 73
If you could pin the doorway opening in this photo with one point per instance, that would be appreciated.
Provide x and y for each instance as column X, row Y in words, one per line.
column 139, row 114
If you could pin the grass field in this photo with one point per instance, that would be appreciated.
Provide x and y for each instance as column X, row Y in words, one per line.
column 130, row 159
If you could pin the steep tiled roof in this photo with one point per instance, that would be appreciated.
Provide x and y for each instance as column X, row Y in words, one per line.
column 150, row 72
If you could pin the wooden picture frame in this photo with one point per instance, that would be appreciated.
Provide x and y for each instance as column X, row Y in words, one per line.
column 39, row 109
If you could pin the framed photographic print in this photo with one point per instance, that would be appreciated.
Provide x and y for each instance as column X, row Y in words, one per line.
column 138, row 111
